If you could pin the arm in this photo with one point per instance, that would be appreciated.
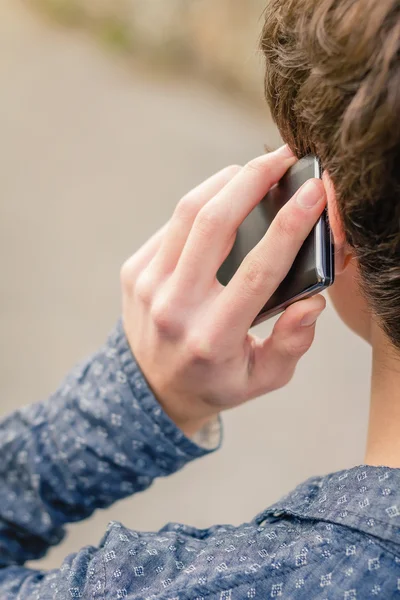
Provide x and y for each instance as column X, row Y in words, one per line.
column 101, row 437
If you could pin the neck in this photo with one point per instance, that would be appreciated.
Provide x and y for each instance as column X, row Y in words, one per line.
column 383, row 444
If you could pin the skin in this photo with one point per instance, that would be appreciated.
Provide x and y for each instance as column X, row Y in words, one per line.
column 383, row 441
column 190, row 335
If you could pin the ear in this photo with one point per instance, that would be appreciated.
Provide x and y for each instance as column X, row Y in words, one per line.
column 343, row 253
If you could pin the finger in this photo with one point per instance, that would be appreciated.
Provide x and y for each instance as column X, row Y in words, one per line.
column 217, row 223
column 138, row 261
column 265, row 267
column 184, row 216
column 274, row 359
column 165, row 246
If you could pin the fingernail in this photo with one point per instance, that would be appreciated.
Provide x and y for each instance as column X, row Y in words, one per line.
column 309, row 195
column 311, row 318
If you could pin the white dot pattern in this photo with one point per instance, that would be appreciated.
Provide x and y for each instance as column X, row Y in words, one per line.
column 102, row 436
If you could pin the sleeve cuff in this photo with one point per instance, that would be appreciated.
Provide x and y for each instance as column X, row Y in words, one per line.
column 207, row 440
column 209, row 437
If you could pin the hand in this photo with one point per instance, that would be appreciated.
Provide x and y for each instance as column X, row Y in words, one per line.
column 190, row 334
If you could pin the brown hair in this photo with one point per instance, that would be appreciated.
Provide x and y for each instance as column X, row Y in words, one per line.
column 333, row 85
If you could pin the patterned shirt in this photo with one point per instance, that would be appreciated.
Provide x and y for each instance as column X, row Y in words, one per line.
column 102, row 436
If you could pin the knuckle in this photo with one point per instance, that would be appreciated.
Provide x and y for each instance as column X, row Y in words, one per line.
column 200, row 348
column 185, row 210
column 296, row 349
column 254, row 275
column 257, row 164
column 145, row 288
column 127, row 277
column 287, row 224
column 162, row 316
column 209, row 221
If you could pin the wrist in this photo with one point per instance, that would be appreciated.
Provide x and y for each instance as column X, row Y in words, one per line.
column 189, row 425
column 189, row 415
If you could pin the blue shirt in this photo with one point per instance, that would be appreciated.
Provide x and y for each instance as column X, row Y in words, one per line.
column 102, row 436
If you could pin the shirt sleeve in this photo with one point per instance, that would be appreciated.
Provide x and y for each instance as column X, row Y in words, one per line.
column 100, row 437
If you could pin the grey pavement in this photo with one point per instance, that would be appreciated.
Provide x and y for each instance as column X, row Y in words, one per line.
column 94, row 156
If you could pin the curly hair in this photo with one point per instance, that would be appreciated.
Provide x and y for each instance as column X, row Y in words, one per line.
column 332, row 82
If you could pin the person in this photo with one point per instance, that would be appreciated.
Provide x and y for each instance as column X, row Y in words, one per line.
column 149, row 401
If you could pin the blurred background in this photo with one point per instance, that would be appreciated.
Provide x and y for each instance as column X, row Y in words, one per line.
column 110, row 110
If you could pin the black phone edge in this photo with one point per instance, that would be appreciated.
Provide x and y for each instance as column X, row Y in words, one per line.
column 308, row 293
column 325, row 278
column 326, row 281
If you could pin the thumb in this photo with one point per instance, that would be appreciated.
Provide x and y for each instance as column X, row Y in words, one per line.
column 275, row 358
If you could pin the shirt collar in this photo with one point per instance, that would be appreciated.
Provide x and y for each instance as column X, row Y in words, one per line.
column 364, row 498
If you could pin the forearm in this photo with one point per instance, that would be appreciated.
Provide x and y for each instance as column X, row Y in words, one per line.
column 102, row 436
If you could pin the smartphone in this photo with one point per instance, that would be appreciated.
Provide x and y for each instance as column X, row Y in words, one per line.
column 313, row 268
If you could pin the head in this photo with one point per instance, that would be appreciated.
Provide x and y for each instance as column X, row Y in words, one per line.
column 333, row 85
